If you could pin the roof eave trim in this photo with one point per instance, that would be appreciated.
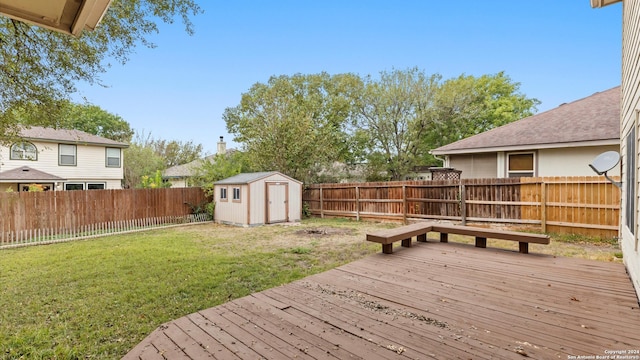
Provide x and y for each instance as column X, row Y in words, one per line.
column 78, row 142
column 602, row 3
column 527, row 147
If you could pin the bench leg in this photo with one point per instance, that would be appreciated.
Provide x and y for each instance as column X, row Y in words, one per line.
column 481, row 242
column 444, row 237
column 387, row 248
column 406, row 242
column 422, row 238
column 524, row 247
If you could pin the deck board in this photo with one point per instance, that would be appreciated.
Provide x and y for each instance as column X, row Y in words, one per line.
column 433, row 300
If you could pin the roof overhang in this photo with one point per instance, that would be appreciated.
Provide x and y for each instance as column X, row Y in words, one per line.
column 526, row 147
column 602, row 3
column 65, row 16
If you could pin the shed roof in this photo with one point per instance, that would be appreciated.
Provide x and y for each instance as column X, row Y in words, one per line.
column 66, row 135
column 595, row 118
column 247, row 178
column 27, row 174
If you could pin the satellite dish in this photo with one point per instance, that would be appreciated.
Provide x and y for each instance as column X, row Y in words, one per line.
column 605, row 162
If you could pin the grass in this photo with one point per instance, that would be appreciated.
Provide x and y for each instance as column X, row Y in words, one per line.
column 96, row 299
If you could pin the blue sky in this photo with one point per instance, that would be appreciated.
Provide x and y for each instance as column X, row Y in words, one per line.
column 558, row 50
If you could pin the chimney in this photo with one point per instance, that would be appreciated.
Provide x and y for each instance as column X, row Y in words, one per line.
column 222, row 146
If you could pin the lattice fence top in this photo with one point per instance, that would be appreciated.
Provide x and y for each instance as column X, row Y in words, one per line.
column 445, row 174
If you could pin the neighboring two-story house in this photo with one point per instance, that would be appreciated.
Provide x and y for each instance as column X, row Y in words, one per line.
column 60, row 159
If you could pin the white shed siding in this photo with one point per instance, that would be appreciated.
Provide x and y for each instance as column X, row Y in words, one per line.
column 629, row 115
column 252, row 210
column 257, row 207
column 230, row 211
column 295, row 202
column 571, row 161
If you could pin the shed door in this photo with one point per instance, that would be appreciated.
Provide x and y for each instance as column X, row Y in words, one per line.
column 277, row 206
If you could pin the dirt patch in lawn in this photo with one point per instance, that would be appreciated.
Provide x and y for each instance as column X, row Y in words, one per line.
column 316, row 232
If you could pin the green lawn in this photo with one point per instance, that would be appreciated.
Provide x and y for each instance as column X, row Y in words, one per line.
column 98, row 298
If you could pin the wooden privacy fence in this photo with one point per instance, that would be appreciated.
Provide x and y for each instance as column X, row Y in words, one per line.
column 587, row 205
column 52, row 216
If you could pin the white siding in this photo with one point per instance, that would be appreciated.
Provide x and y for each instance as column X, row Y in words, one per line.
column 90, row 164
column 178, row 183
column 257, row 210
column 252, row 209
column 230, row 211
column 630, row 107
column 572, row 161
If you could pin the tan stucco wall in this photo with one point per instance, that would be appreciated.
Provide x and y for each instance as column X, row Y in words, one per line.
column 572, row 161
column 475, row 166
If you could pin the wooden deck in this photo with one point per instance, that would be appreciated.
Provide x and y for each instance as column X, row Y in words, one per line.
column 433, row 300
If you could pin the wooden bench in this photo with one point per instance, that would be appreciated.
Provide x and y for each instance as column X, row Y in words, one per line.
column 405, row 233
column 388, row 236
column 482, row 234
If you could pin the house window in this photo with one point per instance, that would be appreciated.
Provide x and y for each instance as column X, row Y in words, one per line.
column 520, row 165
column 67, row 155
column 24, row 151
column 113, row 157
column 630, row 182
column 95, row 186
column 223, row 194
column 74, row 186
column 236, row 194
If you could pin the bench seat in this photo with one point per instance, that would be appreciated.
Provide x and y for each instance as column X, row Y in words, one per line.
column 388, row 236
column 404, row 233
column 482, row 234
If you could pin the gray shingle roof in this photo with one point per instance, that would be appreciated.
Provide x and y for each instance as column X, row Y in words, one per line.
column 186, row 170
column 245, row 178
column 65, row 135
column 593, row 118
column 25, row 173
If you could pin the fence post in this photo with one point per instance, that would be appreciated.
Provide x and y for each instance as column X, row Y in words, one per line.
column 463, row 204
column 543, row 206
column 404, row 204
column 321, row 204
column 357, row 203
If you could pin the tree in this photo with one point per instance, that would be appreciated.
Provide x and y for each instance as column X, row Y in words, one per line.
column 295, row 124
column 176, row 152
column 41, row 67
column 395, row 112
column 220, row 167
column 85, row 117
column 139, row 161
column 468, row 105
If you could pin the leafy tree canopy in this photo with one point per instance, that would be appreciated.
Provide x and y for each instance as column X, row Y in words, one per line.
column 468, row 105
column 41, row 67
column 146, row 156
column 295, row 124
column 85, row 117
column 394, row 111
column 175, row 152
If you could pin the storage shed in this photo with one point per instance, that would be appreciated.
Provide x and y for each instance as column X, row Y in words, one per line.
column 251, row 199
